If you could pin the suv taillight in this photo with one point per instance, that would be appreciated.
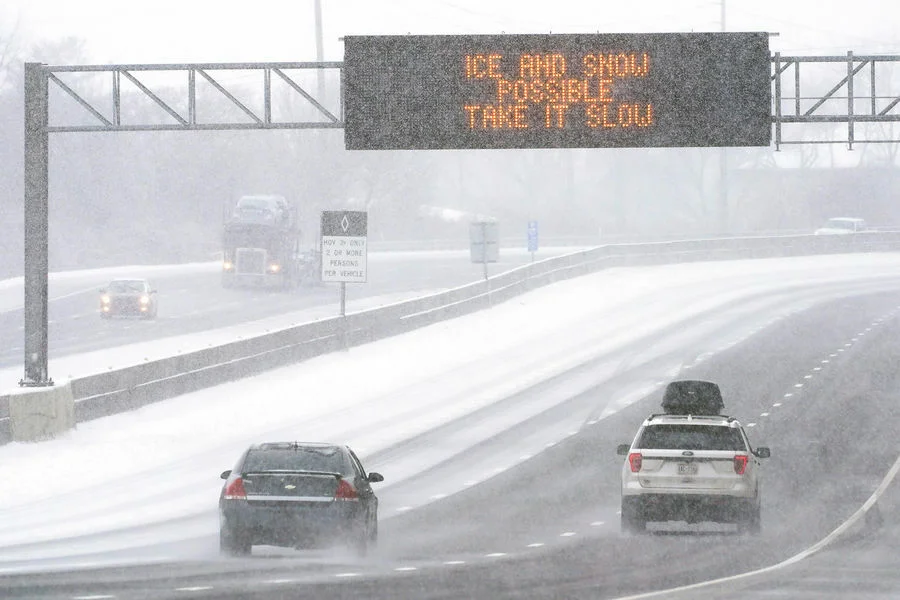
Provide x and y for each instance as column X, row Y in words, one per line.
column 345, row 491
column 635, row 460
column 234, row 490
column 740, row 463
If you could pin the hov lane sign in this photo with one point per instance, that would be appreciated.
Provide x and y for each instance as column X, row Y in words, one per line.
column 344, row 246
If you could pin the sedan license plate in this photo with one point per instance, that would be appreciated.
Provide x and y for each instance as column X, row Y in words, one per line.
column 687, row 468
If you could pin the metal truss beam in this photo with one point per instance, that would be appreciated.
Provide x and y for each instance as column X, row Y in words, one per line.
column 209, row 73
column 844, row 102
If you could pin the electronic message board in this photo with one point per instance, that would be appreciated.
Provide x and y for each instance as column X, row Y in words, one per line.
column 557, row 91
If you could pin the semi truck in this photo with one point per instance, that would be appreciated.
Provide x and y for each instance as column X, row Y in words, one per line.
column 263, row 245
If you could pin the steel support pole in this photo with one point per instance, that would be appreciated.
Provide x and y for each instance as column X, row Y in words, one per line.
column 36, row 225
column 320, row 52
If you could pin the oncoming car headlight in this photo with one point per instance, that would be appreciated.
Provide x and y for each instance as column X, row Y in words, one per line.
column 274, row 268
column 104, row 299
column 227, row 265
column 145, row 299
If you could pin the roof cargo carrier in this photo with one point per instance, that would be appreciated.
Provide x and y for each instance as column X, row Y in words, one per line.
column 692, row 398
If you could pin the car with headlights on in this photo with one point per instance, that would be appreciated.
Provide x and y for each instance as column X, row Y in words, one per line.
column 298, row 495
column 691, row 464
column 128, row 298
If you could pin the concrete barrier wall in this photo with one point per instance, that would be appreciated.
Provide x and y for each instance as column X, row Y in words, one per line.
column 128, row 388
column 40, row 413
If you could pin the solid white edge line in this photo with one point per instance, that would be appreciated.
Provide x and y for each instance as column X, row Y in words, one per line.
column 888, row 479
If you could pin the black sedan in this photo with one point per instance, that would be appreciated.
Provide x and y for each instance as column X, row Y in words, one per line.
column 128, row 297
column 297, row 495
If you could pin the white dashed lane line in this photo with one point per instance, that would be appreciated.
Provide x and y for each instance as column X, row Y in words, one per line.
column 405, row 569
column 536, row 545
column 495, row 555
column 567, row 534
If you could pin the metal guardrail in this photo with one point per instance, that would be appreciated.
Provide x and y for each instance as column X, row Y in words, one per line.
column 126, row 389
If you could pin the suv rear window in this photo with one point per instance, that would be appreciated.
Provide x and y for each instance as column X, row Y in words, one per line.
column 691, row 437
column 328, row 460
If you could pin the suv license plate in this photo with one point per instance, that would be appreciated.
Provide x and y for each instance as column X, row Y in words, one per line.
column 687, row 468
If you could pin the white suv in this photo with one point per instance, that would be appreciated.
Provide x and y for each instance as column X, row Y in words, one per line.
column 693, row 468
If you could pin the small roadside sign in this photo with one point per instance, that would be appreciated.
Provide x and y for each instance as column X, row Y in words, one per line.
column 484, row 238
column 532, row 236
column 344, row 246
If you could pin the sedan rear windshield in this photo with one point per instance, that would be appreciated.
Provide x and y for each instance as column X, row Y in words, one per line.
column 301, row 459
column 691, row 437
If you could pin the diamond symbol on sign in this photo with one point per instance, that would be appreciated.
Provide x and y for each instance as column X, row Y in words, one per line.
column 345, row 223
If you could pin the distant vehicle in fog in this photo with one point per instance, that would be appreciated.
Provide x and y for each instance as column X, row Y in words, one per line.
column 297, row 495
column 842, row 226
column 128, row 297
column 263, row 245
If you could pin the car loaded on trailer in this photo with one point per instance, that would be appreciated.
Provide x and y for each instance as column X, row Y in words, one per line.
column 263, row 245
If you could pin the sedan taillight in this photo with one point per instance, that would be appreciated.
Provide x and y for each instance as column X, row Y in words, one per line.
column 740, row 463
column 345, row 491
column 234, row 490
column 635, row 460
